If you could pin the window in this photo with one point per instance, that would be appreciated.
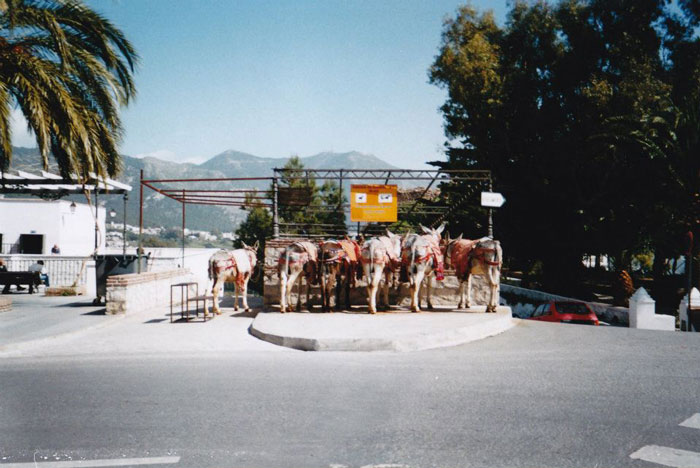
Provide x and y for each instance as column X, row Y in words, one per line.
column 546, row 309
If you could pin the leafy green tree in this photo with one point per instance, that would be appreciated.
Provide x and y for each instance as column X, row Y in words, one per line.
column 257, row 227
column 575, row 109
column 68, row 69
column 319, row 213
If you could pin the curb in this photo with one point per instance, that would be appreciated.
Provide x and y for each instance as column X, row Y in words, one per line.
column 418, row 341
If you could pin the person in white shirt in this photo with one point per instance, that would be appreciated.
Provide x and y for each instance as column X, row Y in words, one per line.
column 39, row 266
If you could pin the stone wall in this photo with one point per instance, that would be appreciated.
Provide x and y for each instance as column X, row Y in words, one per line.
column 523, row 302
column 444, row 293
column 139, row 291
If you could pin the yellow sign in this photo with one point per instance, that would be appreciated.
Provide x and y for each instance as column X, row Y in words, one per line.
column 373, row 203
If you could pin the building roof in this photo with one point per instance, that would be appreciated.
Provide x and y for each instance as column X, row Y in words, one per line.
column 54, row 186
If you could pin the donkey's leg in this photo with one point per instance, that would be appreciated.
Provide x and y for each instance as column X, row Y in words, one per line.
column 469, row 291
column 349, row 281
column 206, row 309
column 493, row 278
column 235, row 294
column 415, row 291
column 429, row 288
column 215, row 294
column 300, row 285
column 460, row 287
column 387, row 278
column 283, row 292
column 245, row 292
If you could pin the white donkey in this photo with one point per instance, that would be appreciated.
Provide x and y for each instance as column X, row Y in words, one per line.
column 421, row 255
column 297, row 258
column 232, row 266
column 381, row 257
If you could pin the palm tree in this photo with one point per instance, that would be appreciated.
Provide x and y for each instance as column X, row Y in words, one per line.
column 68, row 70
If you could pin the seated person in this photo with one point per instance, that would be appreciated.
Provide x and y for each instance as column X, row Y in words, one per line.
column 6, row 289
column 39, row 266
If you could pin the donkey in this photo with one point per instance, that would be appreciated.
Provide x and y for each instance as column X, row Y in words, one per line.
column 297, row 258
column 475, row 257
column 339, row 263
column 232, row 266
column 381, row 257
column 421, row 255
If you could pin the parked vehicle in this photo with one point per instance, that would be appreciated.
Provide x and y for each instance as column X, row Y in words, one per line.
column 565, row 312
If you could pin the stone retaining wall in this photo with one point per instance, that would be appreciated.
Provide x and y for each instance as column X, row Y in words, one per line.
column 523, row 302
column 139, row 291
column 5, row 304
column 444, row 293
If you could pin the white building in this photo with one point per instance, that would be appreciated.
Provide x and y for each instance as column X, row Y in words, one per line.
column 34, row 226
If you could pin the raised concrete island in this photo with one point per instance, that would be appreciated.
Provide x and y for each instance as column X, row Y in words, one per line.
column 139, row 291
column 396, row 331
column 5, row 304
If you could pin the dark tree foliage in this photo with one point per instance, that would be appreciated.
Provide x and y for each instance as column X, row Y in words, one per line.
column 586, row 112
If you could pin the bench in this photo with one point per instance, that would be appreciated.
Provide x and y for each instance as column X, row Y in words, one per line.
column 30, row 278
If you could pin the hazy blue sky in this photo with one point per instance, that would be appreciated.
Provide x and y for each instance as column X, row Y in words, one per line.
column 276, row 78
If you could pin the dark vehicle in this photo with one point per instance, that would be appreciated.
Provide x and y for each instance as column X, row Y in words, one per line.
column 565, row 312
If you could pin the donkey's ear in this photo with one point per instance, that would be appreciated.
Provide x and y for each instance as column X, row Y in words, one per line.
column 390, row 234
column 425, row 229
column 256, row 245
column 441, row 228
column 245, row 246
column 460, row 236
column 447, row 237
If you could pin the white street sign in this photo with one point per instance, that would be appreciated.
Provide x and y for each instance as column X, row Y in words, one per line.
column 492, row 199
column 385, row 198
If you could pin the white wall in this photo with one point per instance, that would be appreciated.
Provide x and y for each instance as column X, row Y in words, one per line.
column 74, row 233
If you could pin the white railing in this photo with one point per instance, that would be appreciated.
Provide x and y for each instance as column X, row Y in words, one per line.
column 62, row 270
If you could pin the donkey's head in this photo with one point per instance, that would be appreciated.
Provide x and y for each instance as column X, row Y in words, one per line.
column 435, row 233
column 395, row 242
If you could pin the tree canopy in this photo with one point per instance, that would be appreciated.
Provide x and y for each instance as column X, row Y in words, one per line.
column 68, row 70
column 586, row 114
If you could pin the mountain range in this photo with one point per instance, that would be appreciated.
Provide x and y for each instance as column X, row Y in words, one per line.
column 161, row 211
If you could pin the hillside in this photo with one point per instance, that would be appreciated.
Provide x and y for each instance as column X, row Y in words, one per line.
column 161, row 211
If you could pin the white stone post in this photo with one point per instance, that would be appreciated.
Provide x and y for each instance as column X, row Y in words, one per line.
column 642, row 313
column 683, row 308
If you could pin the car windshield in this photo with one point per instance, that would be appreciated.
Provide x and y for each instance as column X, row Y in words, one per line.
column 572, row 308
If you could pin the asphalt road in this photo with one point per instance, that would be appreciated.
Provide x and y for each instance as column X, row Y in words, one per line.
column 539, row 395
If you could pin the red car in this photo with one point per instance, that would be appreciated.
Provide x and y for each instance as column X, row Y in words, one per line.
column 565, row 312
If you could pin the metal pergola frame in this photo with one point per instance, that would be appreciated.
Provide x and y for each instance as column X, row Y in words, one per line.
column 269, row 198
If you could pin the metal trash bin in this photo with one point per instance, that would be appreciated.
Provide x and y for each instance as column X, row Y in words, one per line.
column 109, row 265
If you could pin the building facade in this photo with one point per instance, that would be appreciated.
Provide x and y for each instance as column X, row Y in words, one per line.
column 33, row 226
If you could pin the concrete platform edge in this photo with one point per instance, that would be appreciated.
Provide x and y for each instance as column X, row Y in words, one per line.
column 415, row 342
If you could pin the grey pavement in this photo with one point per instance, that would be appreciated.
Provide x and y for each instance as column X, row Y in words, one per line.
column 35, row 317
column 146, row 332
column 538, row 395
column 47, row 326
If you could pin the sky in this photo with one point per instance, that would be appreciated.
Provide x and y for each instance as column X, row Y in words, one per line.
column 279, row 78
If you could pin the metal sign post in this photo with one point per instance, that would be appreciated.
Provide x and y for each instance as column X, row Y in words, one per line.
column 492, row 200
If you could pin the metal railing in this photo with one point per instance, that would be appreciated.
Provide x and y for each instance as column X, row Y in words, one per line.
column 9, row 248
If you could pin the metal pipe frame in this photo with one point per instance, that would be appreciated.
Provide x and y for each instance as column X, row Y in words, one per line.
column 386, row 174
